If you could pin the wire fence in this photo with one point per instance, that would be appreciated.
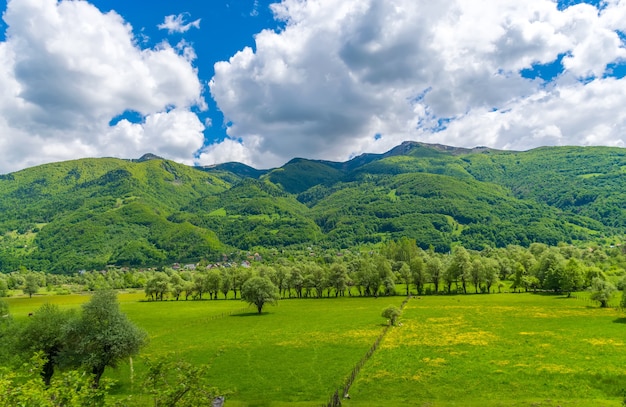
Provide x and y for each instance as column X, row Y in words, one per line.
column 335, row 398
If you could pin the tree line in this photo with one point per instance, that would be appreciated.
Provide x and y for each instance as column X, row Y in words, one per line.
column 369, row 272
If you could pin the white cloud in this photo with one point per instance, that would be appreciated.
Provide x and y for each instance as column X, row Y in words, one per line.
column 255, row 9
column 342, row 71
column 67, row 70
column 176, row 24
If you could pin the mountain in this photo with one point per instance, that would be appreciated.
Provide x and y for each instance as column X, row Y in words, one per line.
column 88, row 213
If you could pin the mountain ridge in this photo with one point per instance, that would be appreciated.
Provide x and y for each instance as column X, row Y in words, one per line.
column 87, row 213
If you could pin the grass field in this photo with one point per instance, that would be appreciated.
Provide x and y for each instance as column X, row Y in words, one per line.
column 464, row 350
column 498, row 350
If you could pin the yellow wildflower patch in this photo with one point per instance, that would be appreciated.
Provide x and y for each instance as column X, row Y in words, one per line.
column 604, row 342
column 443, row 332
column 553, row 368
column 434, row 362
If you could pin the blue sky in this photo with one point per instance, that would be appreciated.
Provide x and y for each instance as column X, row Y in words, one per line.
column 225, row 28
column 201, row 82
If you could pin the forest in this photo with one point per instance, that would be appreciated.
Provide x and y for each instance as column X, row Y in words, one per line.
column 91, row 214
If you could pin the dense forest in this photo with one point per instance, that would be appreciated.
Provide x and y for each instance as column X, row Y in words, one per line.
column 91, row 213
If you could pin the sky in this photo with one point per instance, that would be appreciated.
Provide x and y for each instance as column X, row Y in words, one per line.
column 262, row 82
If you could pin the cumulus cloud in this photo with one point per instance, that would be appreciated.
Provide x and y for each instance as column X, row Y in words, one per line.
column 176, row 23
column 67, row 71
column 342, row 72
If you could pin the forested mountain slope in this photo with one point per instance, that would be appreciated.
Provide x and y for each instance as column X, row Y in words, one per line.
column 89, row 213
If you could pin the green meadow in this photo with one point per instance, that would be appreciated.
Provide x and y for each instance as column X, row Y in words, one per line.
column 464, row 350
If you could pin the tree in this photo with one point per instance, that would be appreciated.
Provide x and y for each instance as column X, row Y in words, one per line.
column 23, row 387
column 460, row 267
column 226, row 281
column 392, row 313
column 177, row 383
column 259, row 291
column 338, row 278
column 419, row 274
column 45, row 332
column 3, row 288
column 622, row 303
column 200, row 284
column 573, row 276
column 405, row 275
column 103, row 336
column 549, row 269
column 31, row 285
column 158, row 286
column 477, row 273
column 434, row 268
column 4, row 311
column 8, row 333
column 214, row 282
column 491, row 272
column 296, row 280
column 602, row 291
column 177, row 285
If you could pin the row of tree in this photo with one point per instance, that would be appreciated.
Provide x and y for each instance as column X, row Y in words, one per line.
column 370, row 273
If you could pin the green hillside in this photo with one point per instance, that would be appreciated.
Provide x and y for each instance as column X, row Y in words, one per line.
column 85, row 214
column 88, row 213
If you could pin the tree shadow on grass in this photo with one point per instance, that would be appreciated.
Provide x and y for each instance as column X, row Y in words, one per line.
column 556, row 296
column 620, row 321
column 250, row 314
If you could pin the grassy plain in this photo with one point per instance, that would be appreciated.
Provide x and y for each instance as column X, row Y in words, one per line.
column 498, row 350
column 464, row 350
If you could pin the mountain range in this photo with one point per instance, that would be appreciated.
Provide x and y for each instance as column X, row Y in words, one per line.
column 89, row 213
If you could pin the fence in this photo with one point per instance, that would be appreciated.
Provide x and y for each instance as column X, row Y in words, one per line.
column 335, row 399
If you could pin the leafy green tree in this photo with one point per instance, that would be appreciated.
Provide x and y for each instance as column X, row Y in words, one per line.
column 549, row 269
column 24, row 387
column 435, row 268
column 385, row 276
column 259, row 291
column 602, row 291
column 103, row 336
column 177, row 285
column 460, row 268
column 46, row 332
column 477, row 273
column 419, row 273
column 214, row 282
column 241, row 275
column 318, row 277
column 177, row 383
column 4, row 289
column 9, row 334
column 226, row 281
column 338, row 278
column 31, row 284
column 531, row 282
column 200, row 284
column 491, row 273
column 189, row 288
column 296, row 281
column 4, row 311
column 592, row 273
column 158, row 286
column 281, row 277
column 622, row 303
column 405, row 275
column 519, row 272
column 392, row 313
column 573, row 276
